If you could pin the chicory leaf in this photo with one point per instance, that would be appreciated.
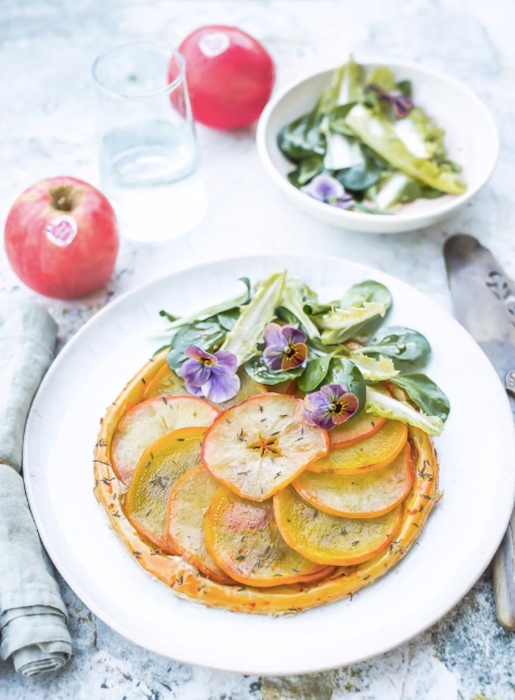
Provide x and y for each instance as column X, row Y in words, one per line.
column 295, row 295
column 379, row 403
column 425, row 394
column 342, row 324
column 374, row 369
column 379, row 133
column 248, row 330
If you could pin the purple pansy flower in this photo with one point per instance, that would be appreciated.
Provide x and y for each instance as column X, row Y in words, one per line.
column 332, row 405
column 329, row 190
column 212, row 376
column 401, row 104
column 285, row 347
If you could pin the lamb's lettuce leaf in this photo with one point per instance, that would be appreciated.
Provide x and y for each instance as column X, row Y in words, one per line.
column 343, row 371
column 403, row 345
column 425, row 393
column 248, row 330
column 256, row 369
column 379, row 403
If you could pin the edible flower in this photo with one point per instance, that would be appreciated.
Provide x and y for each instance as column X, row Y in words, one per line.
column 329, row 190
column 211, row 375
column 332, row 405
column 401, row 104
column 285, row 347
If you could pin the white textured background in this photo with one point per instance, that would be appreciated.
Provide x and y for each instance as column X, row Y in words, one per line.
column 47, row 127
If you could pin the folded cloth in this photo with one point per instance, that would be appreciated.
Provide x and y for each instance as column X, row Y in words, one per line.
column 32, row 613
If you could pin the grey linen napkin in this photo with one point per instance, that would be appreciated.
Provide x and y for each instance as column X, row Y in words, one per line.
column 32, row 613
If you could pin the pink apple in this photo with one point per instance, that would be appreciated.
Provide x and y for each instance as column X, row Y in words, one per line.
column 230, row 76
column 61, row 238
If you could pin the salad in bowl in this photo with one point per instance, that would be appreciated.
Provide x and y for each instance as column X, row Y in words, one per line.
column 277, row 453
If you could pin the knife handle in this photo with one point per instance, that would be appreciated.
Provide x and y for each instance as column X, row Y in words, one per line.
column 504, row 577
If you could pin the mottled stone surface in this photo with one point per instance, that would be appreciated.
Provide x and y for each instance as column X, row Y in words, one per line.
column 47, row 127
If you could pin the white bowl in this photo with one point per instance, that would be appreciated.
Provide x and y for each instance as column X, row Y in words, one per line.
column 471, row 140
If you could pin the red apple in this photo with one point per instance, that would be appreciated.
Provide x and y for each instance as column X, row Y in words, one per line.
column 61, row 238
column 230, row 76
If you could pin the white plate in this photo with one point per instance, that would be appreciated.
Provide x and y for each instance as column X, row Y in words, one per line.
column 477, row 456
column 471, row 140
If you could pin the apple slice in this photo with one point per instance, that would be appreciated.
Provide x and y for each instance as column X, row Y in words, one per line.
column 244, row 540
column 371, row 453
column 329, row 539
column 159, row 468
column 149, row 421
column 356, row 429
column 258, row 447
column 186, row 527
column 365, row 495
column 167, row 382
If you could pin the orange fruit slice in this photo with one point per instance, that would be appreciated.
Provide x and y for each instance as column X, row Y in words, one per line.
column 330, row 539
column 165, row 383
column 186, row 528
column 160, row 466
column 364, row 495
column 359, row 428
column 371, row 453
column 149, row 421
column 258, row 447
column 168, row 382
column 244, row 540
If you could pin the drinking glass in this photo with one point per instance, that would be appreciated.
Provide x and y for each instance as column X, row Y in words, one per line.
column 147, row 144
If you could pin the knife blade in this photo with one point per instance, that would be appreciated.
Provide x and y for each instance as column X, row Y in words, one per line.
column 484, row 303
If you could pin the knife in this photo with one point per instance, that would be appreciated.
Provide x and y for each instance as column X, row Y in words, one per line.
column 484, row 303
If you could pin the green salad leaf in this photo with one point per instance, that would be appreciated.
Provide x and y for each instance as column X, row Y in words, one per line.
column 343, row 371
column 307, row 170
column 248, row 330
column 259, row 372
column 425, row 393
column 210, row 311
column 362, row 175
column 390, row 141
column 403, row 345
column 363, row 303
column 295, row 296
column 302, row 138
column 379, row 403
column 374, row 369
column 315, row 373
column 208, row 335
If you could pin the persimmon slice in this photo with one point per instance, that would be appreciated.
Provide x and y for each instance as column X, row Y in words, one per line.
column 366, row 495
column 371, row 453
column 258, row 447
column 149, row 421
column 168, row 382
column 359, row 428
column 244, row 540
column 165, row 383
column 330, row 539
column 188, row 502
column 160, row 466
